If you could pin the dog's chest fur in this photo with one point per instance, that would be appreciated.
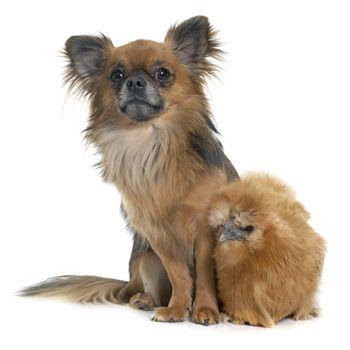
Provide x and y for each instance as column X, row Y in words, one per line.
column 130, row 157
column 146, row 170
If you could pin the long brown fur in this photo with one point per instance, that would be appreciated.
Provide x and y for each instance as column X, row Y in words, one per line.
column 166, row 168
column 270, row 266
column 79, row 289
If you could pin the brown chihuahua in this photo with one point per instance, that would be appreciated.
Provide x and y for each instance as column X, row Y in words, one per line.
column 151, row 122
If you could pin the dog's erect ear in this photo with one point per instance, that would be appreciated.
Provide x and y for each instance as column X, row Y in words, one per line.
column 194, row 41
column 86, row 56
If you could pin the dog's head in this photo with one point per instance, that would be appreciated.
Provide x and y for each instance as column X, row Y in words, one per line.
column 143, row 79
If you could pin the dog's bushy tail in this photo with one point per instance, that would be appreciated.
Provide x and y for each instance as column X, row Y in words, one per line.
column 79, row 289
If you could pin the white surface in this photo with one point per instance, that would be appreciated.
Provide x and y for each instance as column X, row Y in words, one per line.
column 282, row 105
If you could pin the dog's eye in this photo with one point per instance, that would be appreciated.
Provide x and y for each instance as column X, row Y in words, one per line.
column 117, row 75
column 162, row 73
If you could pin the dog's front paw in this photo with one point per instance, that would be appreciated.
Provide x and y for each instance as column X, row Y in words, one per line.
column 170, row 314
column 205, row 316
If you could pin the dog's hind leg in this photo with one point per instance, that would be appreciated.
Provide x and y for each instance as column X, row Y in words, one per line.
column 149, row 285
column 156, row 285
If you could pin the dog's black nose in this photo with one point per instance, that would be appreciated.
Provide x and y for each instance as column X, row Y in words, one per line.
column 135, row 83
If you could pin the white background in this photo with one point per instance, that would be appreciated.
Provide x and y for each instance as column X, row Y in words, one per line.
column 282, row 106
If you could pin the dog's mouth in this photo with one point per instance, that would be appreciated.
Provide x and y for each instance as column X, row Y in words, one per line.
column 140, row 110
